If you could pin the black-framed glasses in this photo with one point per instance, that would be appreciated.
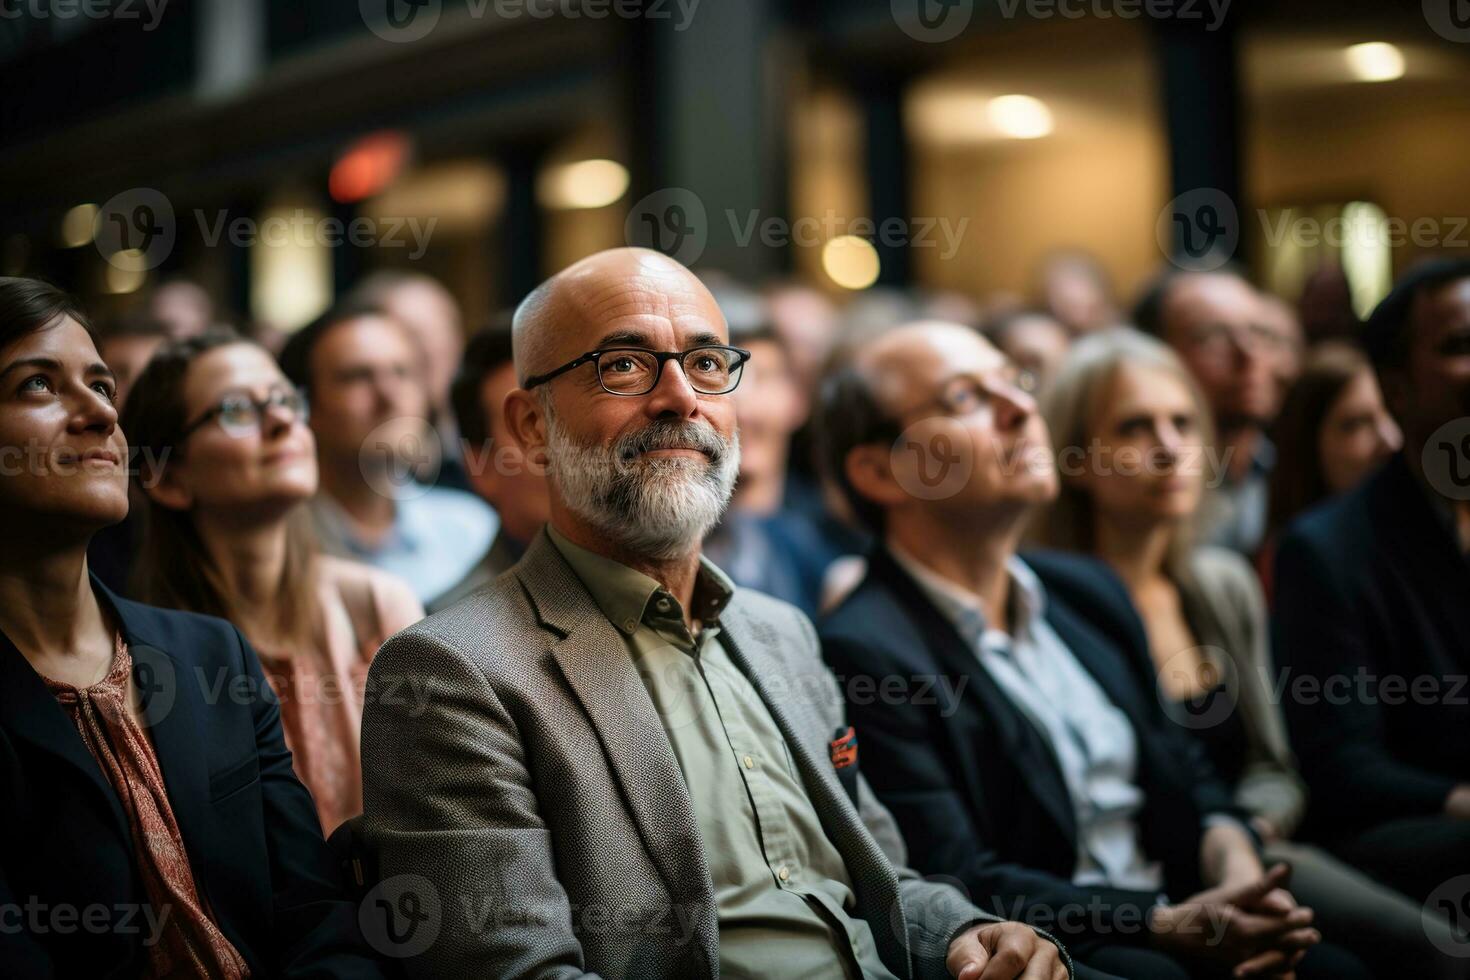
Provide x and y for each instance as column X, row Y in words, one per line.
column 240, row 415
column 712, row 369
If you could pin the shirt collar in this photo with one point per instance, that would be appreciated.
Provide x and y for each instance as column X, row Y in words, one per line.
column 961, row 606
column 624, row 594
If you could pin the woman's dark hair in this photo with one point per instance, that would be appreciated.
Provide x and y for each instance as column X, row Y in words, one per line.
column 173, row 567
column 28, row 305
column 1298, row 481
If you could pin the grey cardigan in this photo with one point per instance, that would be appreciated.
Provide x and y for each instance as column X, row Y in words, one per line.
column 1227, row 612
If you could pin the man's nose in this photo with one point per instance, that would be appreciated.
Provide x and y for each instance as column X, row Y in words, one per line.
column 1012, row 407
column 673, row 395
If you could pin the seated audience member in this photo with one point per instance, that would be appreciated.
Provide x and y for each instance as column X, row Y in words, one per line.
column 1332, row 432
column 1371, row 620
column 617, row 751
column 126, row 345
column 183, row 306
column 429, row 311
column 229, row 469
column 1036, row 765
column 762, row 543
column 1075, row 288
column 496, row 468
column 164, row 817
column 1131, row 426
column 1033, row 340
column 1285, row 349
column 1217, row 322
column 362, row 372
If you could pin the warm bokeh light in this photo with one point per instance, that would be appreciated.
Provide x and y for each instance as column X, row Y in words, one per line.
column 291, row 274
column 1375, row 61
column 851, row 262
column 368, row 166
column 127, row 271
column 583, row 185
column 78, row 228
column 1020, row 117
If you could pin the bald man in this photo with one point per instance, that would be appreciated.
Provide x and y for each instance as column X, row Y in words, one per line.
column 626, row 766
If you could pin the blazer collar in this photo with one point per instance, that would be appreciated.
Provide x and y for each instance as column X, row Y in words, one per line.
column 591, row 654
column 1016, row 734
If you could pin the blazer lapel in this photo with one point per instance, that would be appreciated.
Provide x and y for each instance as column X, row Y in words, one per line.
column 30, row 712
column 172, row 696
column 1019, row 739
column 592, row 655
column 750, row 645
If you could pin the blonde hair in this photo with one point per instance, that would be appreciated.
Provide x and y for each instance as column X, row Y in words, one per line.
column 1072, row 403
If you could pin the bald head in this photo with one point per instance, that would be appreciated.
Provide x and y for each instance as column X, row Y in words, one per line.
column 910, row 361
column 630, row 296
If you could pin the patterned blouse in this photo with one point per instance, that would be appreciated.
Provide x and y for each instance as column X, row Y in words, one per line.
column 191, row 944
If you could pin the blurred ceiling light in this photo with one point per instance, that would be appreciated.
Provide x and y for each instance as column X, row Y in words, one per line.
column 368, row 166
column 78, row 227
column 582, row 185
column 126, row 271
column 290, row 276
column 1019, row 117
column 851, row 262
column 1375, row 61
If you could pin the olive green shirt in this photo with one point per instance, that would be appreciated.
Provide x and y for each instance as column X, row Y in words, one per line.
column 783, row 894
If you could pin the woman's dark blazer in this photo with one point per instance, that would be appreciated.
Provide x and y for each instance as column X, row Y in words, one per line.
column 72, row 903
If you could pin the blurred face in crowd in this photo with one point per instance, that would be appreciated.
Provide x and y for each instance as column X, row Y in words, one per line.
column 654, row 471
column 367, row 380
column 244, row 463
column 184, row 307
column 1216, row 323
column 769, row 408
column 514, row 485
column 63, row 457
column 430, row 313
column 1037, row 343
column 1434, row 387
column 806, row 320
column 1357, row 434
column 127, row 356
column 1076, row 294
column 1145, row 459
column 955, row 398
column 1284, row 350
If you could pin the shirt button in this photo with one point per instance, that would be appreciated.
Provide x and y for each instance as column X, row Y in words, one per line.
column 630, row 626
column 749, row 762
column 663, row 605
column 783, row 873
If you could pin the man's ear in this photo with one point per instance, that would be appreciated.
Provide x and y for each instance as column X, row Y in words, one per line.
column 869, row 469
column 525, row 421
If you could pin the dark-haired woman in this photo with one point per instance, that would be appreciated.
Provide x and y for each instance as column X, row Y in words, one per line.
column 228, row 465
column 1332, row 432
column 150, row 823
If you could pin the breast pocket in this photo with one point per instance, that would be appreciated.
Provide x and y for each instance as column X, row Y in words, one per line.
column 232, row 779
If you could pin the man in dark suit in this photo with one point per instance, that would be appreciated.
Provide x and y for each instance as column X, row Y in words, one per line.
column 1372, row 615
column 1005, row 707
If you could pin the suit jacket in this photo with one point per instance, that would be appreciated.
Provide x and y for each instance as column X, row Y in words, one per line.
column 537, row 804
column 249, row 827
column 974, row 784
column 1372, row 590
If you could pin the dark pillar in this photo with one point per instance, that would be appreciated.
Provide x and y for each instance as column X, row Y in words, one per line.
column 348, row 261
column 522, row 224
column 706, row 123
column 886, row 161
column 1199, row 72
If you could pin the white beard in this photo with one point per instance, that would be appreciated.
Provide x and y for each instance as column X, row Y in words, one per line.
column 661, row 508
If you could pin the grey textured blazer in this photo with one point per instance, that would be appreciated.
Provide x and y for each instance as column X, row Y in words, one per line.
column 530, row 819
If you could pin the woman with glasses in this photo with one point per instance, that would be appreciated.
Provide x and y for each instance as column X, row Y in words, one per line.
column 149, row 824
column 228, row 465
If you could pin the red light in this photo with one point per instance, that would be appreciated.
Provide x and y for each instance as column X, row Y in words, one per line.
column 368, row 166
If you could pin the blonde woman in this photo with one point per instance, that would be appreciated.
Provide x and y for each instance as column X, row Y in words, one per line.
column 1132, row 432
